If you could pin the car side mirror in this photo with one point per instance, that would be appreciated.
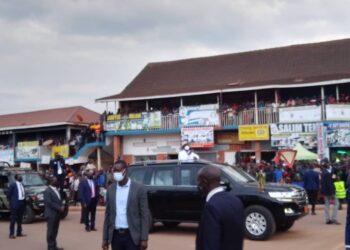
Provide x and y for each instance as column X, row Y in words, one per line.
column 226, row 185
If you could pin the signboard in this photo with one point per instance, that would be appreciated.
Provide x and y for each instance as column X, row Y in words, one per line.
column 7, row 155
column 338, row 112
column 139, row 121
column 338, row 134
column 253, row 133
column 62, row 150
column 27, row 150
column 228, row 138
column 198, row 137
column 300, row 114
column 287, row 135
column 203, row 115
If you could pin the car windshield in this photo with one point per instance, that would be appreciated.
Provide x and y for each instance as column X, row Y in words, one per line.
column 236, row 174
column 32, row 179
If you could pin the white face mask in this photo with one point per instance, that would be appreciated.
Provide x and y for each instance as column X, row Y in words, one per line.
column 118, row 176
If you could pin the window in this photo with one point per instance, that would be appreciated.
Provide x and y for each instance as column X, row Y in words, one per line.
column 138, row 175
column 185, row 177
column 163, row 177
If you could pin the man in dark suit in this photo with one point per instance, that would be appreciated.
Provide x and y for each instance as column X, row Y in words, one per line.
column 222, row 222
column 126, row 223
column 58, row 168
column 312, row 186
column 89, row 196
column 53, row 209
column 16, row 197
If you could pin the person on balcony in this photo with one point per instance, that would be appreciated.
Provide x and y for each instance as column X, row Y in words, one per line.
column 186, row 154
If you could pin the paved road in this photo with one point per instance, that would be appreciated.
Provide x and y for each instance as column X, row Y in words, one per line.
column 308, row 233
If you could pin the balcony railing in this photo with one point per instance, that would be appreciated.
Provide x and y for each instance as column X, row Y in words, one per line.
column 249, row 117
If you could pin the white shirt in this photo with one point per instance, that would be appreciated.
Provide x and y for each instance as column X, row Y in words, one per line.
column 59, row 168
column 184, row 156
column 213, row 192
column 56, row 191
column 92, row 186
column 21, row 193
column 75, row 184
column 122, row 194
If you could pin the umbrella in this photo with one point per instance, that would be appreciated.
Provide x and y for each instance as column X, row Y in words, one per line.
column 304, row 154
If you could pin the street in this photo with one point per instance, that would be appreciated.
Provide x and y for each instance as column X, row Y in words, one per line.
column 308, row 233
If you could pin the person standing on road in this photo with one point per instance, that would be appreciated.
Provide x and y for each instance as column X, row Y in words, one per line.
column 90, row 196
column 53, row 209
column 126, row 223
column 312, row 186
column 57, row 165
column 16, row 197
column 222, row 223
column 328, row 190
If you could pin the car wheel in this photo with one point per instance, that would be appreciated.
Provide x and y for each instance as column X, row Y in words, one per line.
column 65, row 212
column 259, row 223
column 170, row 224
column 286, row 226
column 28, row 215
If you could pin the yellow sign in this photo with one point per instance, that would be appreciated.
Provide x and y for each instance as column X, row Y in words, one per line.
column 113, row 117
column 254, row 133
column 61, row 150
column 135, row 116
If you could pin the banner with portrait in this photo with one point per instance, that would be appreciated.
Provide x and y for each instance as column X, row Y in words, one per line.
column 27, row 150
column 338, row 134
column 198, row 137
column 202, row 115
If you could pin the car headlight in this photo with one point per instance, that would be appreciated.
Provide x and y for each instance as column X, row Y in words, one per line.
column 282, row 196
column 40, row 197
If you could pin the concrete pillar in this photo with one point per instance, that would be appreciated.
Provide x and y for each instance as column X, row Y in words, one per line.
column 256, row 107
column 337, row 93
column 181, row 101
column 68, row 134
column 276, row 96
column 99, row 158
column 323, row 105
column 147, row 105
column 257, row 151
column 117, row 147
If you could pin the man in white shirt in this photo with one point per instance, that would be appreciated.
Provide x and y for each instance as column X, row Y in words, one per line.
column 16, row 197
column 186, row 154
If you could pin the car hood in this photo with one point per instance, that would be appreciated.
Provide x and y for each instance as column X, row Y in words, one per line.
column 273, row 187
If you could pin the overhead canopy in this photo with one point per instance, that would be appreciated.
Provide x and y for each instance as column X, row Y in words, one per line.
column 303, row 154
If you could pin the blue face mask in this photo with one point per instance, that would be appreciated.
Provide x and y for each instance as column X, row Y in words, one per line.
column 118, row 176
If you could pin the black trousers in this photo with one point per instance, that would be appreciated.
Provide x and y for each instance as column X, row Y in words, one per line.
column 82, row 214
column 123, row 241
column 90, row 214
column 17, row 217
column 53, row 224
column 312, row 195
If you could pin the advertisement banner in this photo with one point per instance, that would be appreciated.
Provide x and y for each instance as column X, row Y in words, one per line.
column 62, row 150
column 27, row 150
column 287, row 135
column 198, row 137
column 203, row 115
column 253, row 133
column 338, row 112
column 7, row 155
column 338, row 134
column 139, row 121
column 300, row 114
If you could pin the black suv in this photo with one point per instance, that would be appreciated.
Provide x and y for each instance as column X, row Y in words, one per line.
column 34, row 187
column 174, row 198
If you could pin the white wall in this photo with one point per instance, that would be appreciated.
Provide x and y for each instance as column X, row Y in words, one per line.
column 151, row 144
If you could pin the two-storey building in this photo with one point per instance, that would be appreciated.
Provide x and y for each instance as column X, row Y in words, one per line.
column 239, row 106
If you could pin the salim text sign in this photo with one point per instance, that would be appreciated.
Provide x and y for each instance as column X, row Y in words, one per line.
column 254, row 133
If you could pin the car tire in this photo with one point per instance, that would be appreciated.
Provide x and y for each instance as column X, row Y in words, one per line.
column 65, row 212
column 259, row 223
column 285, row 226
column 170, row 224
column 28, row 215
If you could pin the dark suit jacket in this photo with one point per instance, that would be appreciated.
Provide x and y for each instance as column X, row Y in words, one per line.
column 222, row 224
column 311, row 181
column 137, row 213
column 327, row 186
column 12, row 196
column 86, row 191
column 52, row 203
column 54, row 166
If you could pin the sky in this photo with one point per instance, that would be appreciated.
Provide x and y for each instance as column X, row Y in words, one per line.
column 60, row 53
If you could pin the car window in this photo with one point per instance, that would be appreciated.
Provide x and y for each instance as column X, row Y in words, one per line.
column 185, row 177
column 32, row 179
column 138, row 175
column 162, row 177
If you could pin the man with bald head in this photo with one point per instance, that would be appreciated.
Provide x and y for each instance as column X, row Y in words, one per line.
column 222, row 222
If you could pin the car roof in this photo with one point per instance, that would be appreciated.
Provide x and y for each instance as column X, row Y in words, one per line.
column 166, row 163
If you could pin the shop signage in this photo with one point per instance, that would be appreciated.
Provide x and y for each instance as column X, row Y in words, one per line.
column 253, row 132
column 338, row 112
column 27, row 150
column 287, row 135
column 203, row 115
column 198, row 137
column 62, row 150
column 338, row 134
column 7, row 155
column 300, row 114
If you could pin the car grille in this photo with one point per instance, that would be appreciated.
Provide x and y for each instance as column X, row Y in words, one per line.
column 300, row 197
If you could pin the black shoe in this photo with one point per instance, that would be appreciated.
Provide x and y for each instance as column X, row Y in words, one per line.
column 12, row 237
column 93, row 229
column 329, row 222
column 21, row 235
column 59, row 248
column 87, row 229
column 313, row 213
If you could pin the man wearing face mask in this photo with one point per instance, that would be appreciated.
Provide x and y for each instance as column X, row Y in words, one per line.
column 89, row 196
column 222, row 222
column 126, row 223
column 16, row 197
column 186, row 154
